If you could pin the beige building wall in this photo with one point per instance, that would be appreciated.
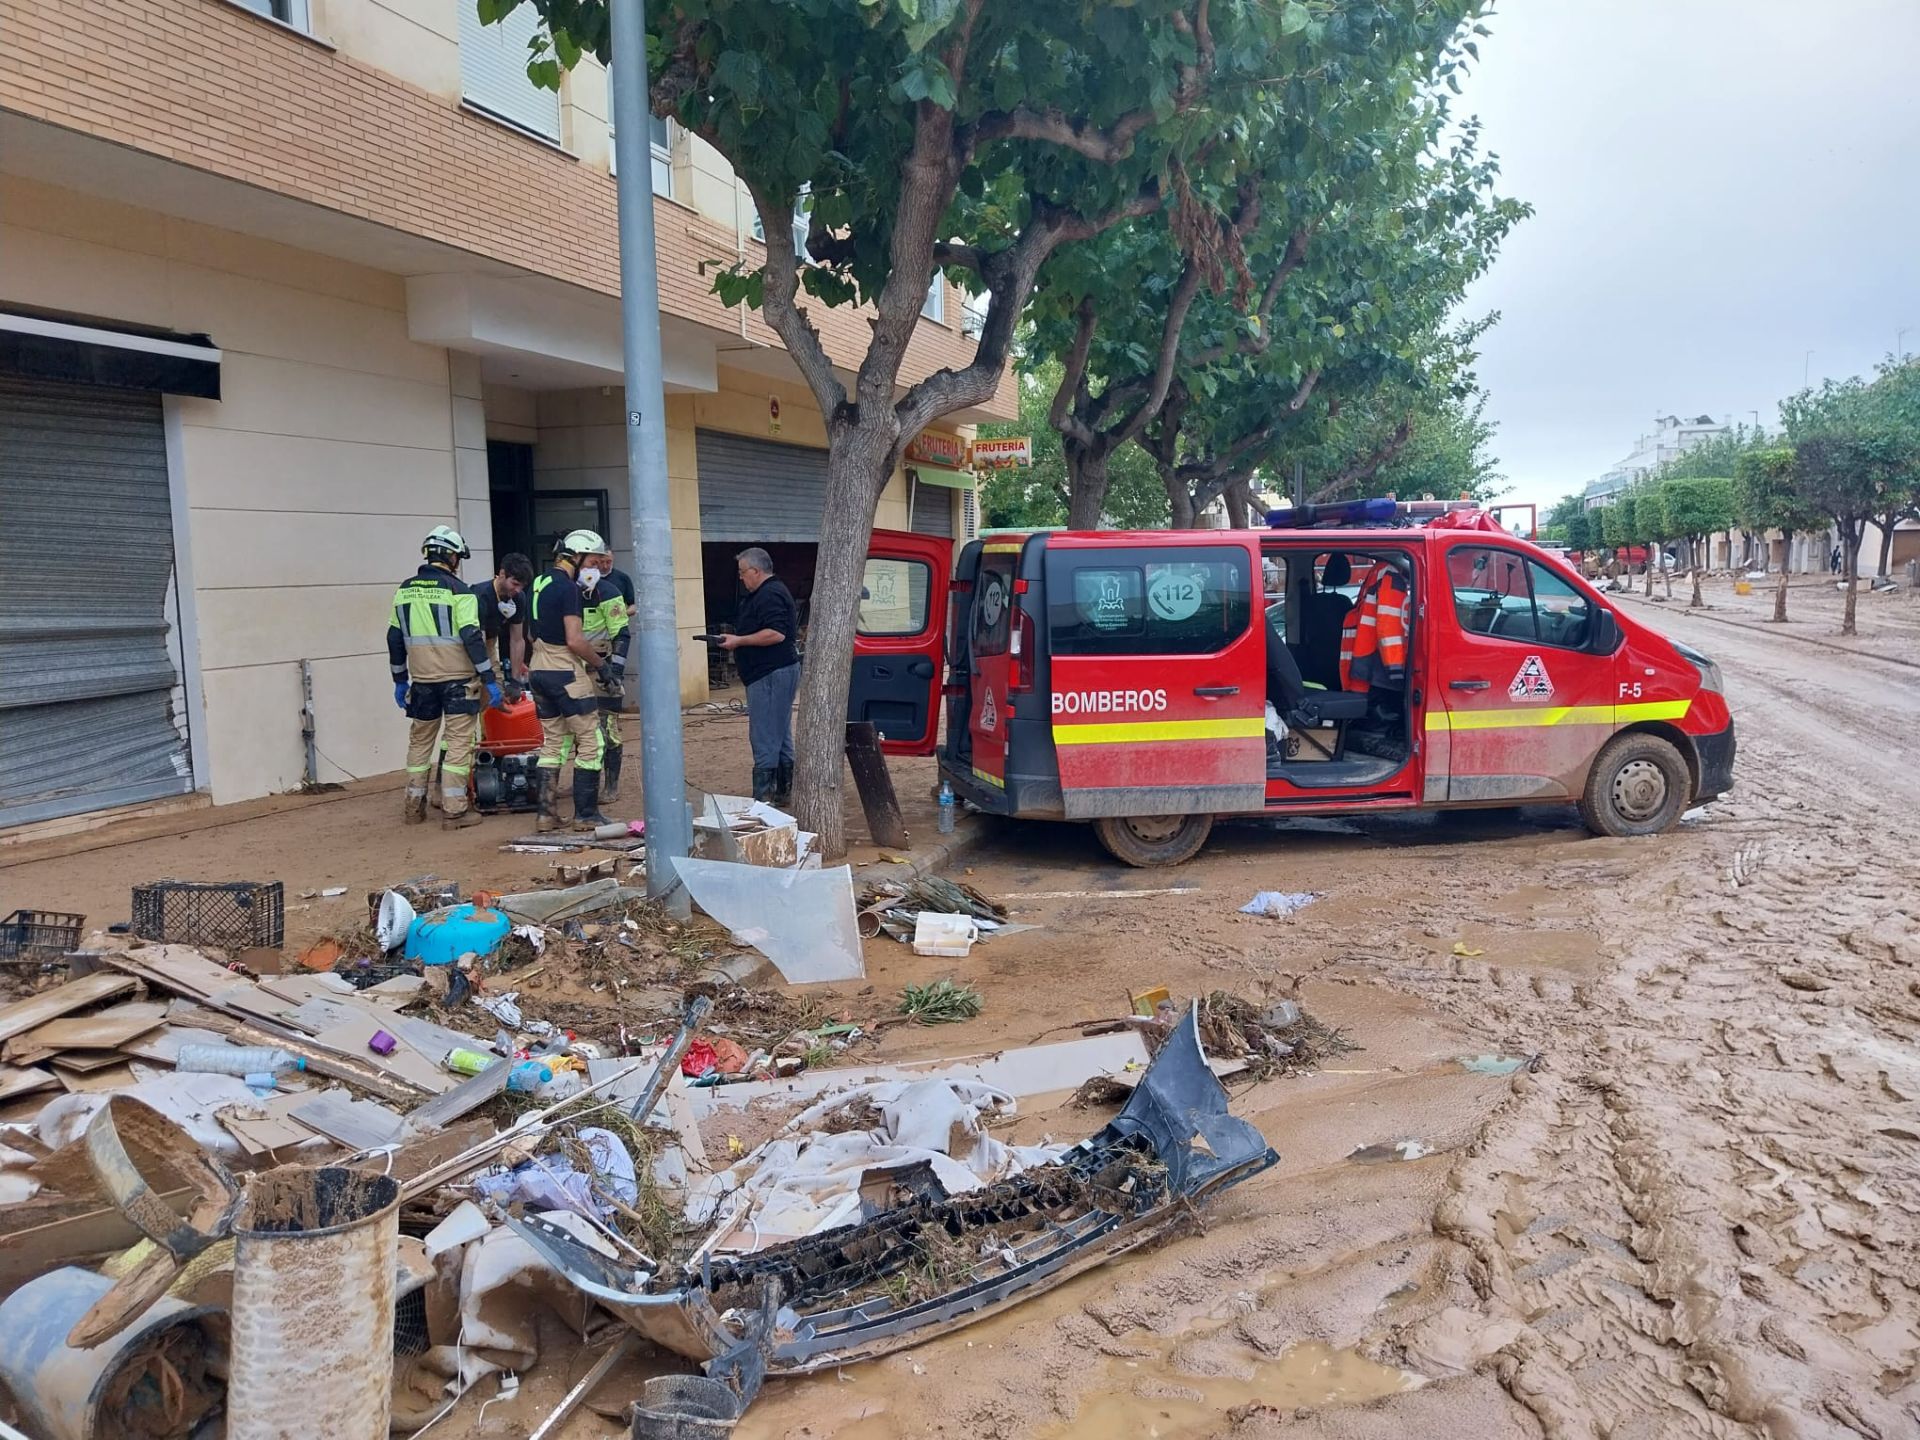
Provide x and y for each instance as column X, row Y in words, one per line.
column 308, row 485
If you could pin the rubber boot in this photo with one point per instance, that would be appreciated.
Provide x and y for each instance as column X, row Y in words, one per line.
column 416, row 811
column 764, row 779
column 586, row 800
column 464, row 820
column 783, row 784
column 543, row 798
column 610, row 773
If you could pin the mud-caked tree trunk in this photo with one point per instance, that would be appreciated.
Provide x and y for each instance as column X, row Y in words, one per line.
column 1696, row 602
column 1780, row 585
column 1886, row 523
column 1851, row 534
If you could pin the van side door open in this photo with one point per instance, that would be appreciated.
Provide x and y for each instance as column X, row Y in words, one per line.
column 900, row 640
column 1525, row 699
column 1158, row 674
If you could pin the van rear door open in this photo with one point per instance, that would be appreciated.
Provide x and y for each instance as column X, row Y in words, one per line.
column 899, row 640
column 1158, row 673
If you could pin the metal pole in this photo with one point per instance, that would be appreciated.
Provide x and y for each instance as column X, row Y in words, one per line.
column 669, row 825
column 1299, row 483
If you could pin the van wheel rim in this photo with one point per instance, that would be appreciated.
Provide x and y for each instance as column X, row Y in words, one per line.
column 1154, row 829
column 1639, row 790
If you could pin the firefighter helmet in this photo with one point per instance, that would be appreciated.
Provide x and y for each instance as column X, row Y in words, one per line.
column 581, row 542
column 445, row 540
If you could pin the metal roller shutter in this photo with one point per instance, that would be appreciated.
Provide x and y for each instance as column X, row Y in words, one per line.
column 757, row 492
column 493, row 70
column 932, row 510
column 92, row 712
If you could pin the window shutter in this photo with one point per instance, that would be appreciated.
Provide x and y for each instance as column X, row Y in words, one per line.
column 493, row 70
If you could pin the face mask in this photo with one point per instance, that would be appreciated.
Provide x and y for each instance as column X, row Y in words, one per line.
column 589, row 578
column 508, row 609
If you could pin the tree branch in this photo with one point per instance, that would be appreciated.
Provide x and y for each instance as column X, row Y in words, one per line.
column 1368, row 466
column 780, row 284
column 1063, row 414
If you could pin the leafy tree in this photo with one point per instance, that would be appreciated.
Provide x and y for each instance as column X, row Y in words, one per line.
column 1617, row 521
column 1853, row 461
column 1893, row 405
column 1576, row 532
column 1035, row 498
column 1765, row 498
column 1650, row 527
column 1696, row 507
column 983, row 136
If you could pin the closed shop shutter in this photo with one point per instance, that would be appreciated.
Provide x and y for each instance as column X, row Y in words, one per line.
column 92, row 711
column 493, row 70
column 932, row 510
column 755, row 492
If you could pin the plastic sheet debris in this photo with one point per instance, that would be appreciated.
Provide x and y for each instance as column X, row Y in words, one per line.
column 1497, row 1064
column 550, row 907
column 1278, row 904
column 1391, row 1151
column 554, row 1182
column 801, row 920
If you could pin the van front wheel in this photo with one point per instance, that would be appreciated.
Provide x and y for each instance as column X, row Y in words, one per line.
column 1153, row 840
column 1639, row 786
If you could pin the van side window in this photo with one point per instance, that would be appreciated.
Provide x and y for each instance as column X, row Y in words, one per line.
column 1506, row 596
column 1173, row 601
column 992, row 604
column 894, row 596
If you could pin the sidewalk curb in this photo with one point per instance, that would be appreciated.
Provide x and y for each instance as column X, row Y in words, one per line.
column 969, row 830
column 1771, row 630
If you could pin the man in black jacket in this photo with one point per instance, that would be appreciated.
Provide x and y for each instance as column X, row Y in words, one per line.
column 763, row 647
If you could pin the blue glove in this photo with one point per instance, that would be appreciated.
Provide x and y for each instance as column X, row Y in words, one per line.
column 494, row 698
column 400, row 693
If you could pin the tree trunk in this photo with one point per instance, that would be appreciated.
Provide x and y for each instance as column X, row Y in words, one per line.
column 1696, row 602
column 1650, row 572
column 1780, row 589
column 857, row 470
column 1887, row 522
column 1852, row 533
column 1184, row 516
column 1087, row 477
column 1239, row 499
column 1666, row 571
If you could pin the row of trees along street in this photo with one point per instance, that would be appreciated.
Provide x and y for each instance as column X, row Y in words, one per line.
column 1217, row 236
column 1847, row 453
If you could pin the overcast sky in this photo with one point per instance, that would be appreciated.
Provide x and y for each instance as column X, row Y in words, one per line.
column 1720, row 186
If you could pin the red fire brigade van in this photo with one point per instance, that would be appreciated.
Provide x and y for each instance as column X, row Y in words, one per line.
column 1148, row 682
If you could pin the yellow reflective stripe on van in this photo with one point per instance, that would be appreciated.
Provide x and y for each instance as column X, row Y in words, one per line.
column 1244, row 727
column 1004, row 547
column 993, row 780
column 1540, row 717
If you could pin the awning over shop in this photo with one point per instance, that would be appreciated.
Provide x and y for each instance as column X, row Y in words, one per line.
column 951, row 479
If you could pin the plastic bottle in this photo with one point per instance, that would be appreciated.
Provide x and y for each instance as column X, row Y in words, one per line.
column 264, row 1081
column 946, row 808
column 469, row 1062
column 528, row 1076
column 241, row 1060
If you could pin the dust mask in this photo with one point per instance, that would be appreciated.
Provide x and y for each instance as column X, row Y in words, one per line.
column 589, row 577
column 508, row 609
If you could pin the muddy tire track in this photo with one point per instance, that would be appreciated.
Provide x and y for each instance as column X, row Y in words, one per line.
column 1702, row 1219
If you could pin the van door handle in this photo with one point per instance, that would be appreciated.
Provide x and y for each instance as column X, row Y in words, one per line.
column 1216, row 692
column 1469, row 684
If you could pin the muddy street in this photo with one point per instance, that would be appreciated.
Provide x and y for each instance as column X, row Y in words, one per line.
column 1695, row 1215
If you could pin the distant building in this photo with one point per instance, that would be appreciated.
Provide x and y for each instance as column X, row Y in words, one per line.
column 1671, row 438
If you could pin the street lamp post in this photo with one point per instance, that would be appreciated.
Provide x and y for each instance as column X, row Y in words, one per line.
column 662, row 752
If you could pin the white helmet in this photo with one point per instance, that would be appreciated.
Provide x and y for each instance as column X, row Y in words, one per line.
column 581, row 542
column 445, row 540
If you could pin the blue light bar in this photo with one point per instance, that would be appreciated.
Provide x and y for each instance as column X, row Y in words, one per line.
column 1347, row 512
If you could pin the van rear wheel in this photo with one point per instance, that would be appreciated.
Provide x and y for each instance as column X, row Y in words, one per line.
column 1153, row 840
column 1639, row 785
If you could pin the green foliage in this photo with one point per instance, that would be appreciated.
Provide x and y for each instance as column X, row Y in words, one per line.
column 1036, row 498
column 1696, row 506
column 1649, row 514
column 1764, row 493
column 941, row 1002
column 1618, row 523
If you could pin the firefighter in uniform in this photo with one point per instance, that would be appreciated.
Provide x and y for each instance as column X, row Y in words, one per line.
column 562, row 678
column 440, row 671
column 1373, row 658
column 607, row 617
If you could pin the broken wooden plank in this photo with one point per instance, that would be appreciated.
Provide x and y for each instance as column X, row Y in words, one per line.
column 874, row 784
column 36, row 1010
column 104, row 1081
column 96, row 1230
column 24, row 1080
column 177, row 969
column 324, row 1060
column 103, row 1030
column 469, row 1095
column 356, row 1124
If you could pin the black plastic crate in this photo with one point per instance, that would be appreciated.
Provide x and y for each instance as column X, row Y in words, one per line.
column 235, row 915
column 39, row 934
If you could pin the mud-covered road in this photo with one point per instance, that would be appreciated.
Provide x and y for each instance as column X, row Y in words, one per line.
column 1695, row 1217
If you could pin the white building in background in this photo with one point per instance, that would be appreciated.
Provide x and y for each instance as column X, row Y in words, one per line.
column 1671, row 438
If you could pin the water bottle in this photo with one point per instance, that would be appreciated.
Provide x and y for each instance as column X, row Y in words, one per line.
column 240, row 1060
column 528, row 1076
column 462, row 1061
column 946, row 808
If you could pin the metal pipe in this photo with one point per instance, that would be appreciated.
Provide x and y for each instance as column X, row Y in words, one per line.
column 662, row 752
column 307, row 722
column 669, row 1062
